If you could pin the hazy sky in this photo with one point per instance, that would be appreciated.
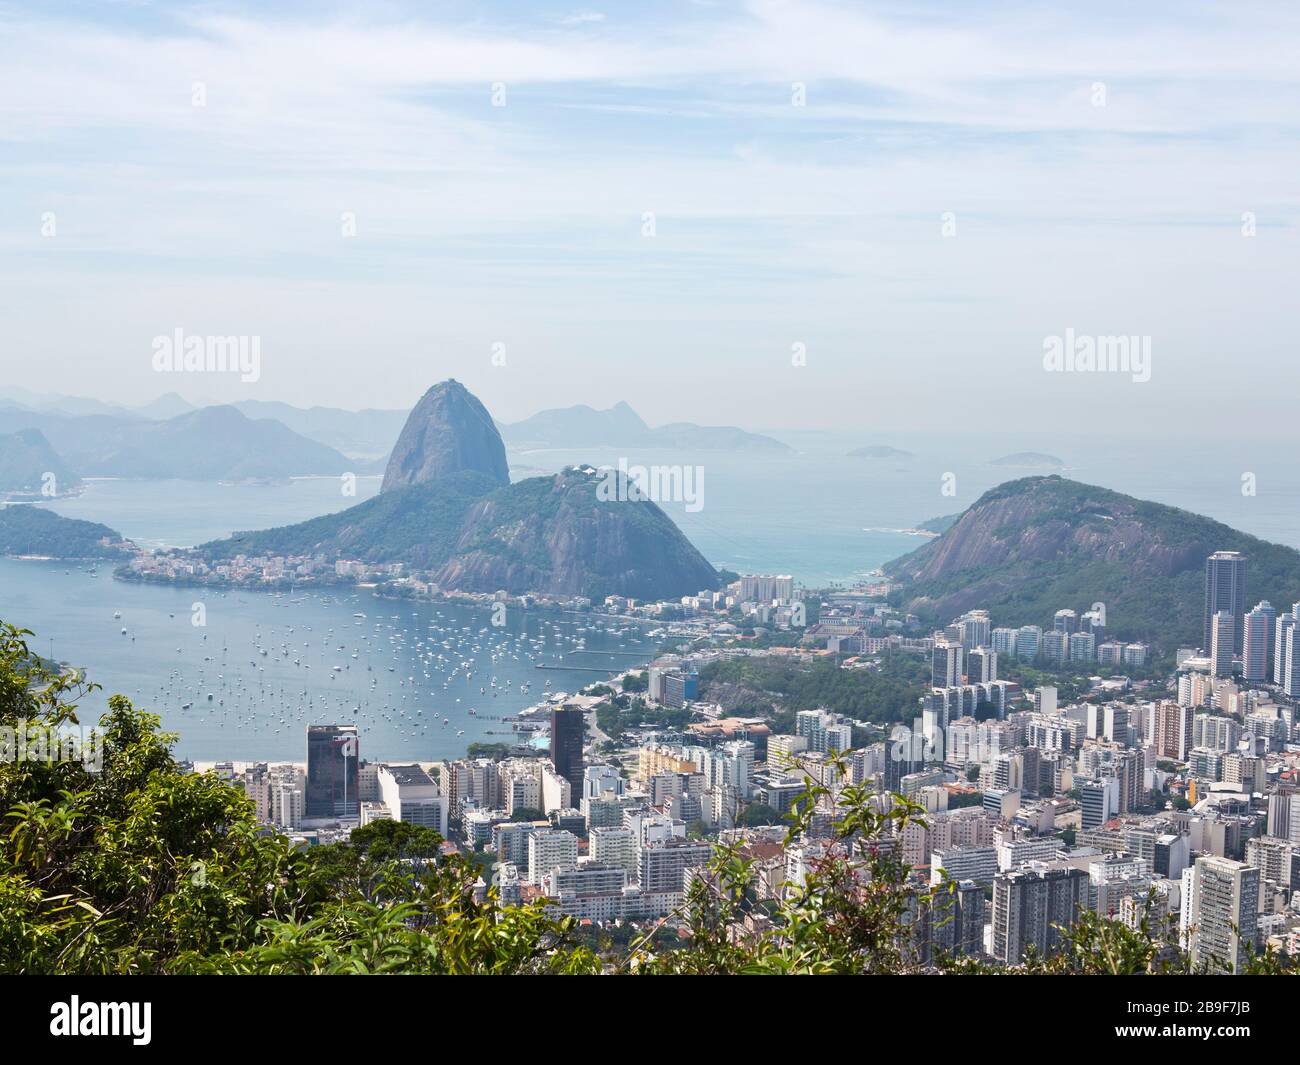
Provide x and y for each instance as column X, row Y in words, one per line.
column 1095, row 160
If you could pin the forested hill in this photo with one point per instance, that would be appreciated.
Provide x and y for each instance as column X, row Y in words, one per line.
column 1030, row 547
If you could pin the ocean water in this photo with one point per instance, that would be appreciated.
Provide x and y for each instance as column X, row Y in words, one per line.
column 814, row 513
column 827, row 518
column 410, row 703
column 176, row 513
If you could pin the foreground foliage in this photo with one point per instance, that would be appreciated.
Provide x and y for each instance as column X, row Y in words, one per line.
column 141, row 867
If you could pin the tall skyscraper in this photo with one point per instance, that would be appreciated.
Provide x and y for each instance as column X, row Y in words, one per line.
column 568, row 725
column 1281, row 628
column 1257, row 646
column 1225, row 589
column 332, row 761
column 1220, row 907
column 1222, row 635
column 1291, row 662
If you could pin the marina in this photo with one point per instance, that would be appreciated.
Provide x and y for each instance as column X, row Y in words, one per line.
column 421, row 679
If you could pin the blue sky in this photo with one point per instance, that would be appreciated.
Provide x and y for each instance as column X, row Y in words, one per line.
column 774, row 224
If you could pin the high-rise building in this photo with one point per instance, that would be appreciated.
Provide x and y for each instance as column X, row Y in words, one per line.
column 945, row 664
column 660, row 866
column 549, row 850
column 1055, row 647
column 615, row 846
column 1284, row 814
column 1225, row 589
column 601, row 781
column 1220, row 913
column 957, row 921
column 755, row 588
column 1028, row 638
column 1173, row 730
column 1216, row 732
column 1135, row 654
column 1222, row 635
column 680, row 688
column 1291, row 659
column 1257, row 645
column 823, row 731
column 1082, row 647
column 1066, row 621
column 411, row 795
column 975, row 629
column 1281, row 627
column 568, row 725
column 1100, row 801
column 981, row 665
column 1278, row 860
column 332, row 760
column 1035, row 909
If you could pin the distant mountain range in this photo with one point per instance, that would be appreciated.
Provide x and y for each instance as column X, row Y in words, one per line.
column 446, row 507
column 27, row 459
column 209, row 444
column 368, row 433
column 368, row 436
column 620, row 426
column 1030, row 547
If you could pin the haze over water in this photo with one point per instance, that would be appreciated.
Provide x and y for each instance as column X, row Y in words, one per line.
column 812, row 512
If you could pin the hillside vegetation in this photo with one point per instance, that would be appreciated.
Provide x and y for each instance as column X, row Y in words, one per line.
column 1030, row 547
column 130, row 864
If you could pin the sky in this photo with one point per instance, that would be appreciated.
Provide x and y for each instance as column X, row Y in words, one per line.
column 775, row 215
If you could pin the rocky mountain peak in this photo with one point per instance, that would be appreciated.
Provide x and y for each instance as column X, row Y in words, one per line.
column 448, row 431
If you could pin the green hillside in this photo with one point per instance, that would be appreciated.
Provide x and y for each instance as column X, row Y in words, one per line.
column 1030, row 547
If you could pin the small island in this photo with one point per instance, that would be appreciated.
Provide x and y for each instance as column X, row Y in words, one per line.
column 879, row 451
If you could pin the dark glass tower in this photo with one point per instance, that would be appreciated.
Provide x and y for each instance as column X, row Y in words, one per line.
column 332, row 771
column 567, row 728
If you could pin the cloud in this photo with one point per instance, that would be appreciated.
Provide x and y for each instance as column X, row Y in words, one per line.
column 774, row 222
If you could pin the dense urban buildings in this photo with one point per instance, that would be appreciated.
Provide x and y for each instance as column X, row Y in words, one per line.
column 1168, row 801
